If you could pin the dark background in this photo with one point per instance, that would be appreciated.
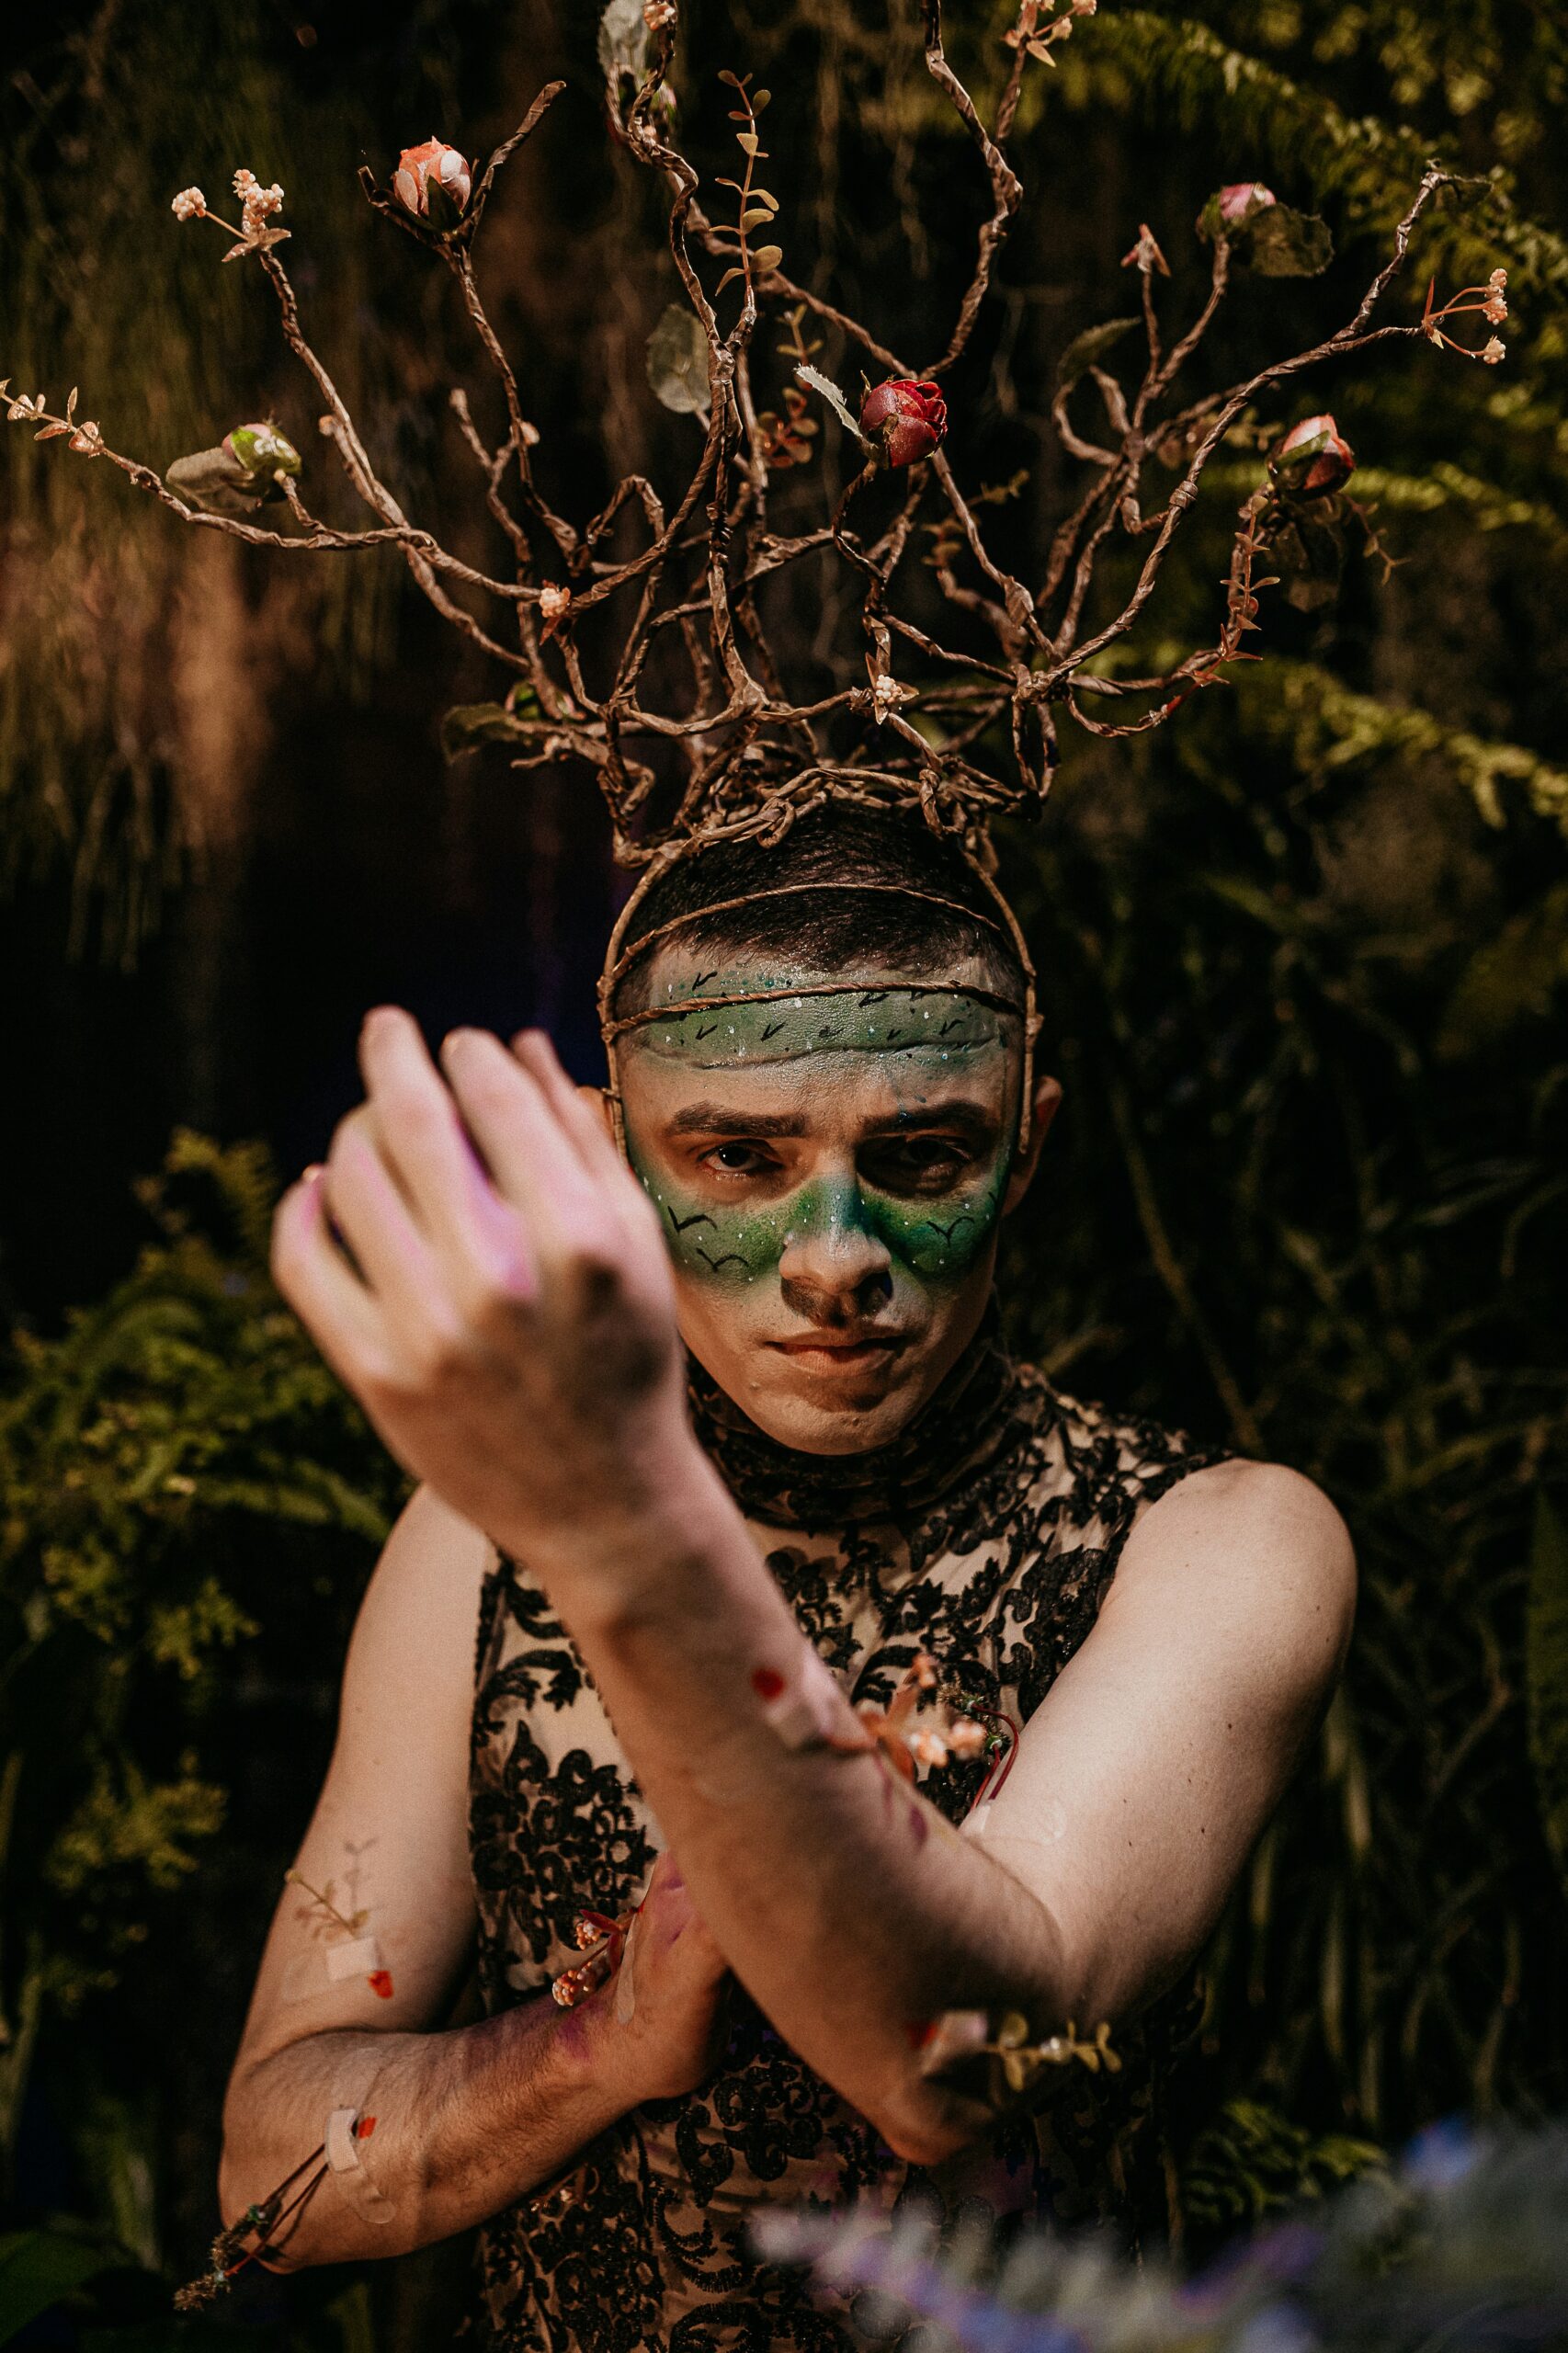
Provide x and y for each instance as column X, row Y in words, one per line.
column 1300, row 955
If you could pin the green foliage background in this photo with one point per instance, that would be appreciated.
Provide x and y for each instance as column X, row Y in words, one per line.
column 1304, row 956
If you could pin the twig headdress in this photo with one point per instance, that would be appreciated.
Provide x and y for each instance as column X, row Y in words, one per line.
column 710, row 745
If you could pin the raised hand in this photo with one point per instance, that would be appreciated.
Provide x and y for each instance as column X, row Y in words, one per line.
column 478, row 1264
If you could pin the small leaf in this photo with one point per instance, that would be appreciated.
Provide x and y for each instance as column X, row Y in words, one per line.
column 831, row 393
column 768, row 257
column 762, row 196
column 678, row 361
column 725, row 280
column 759, row 99
column 1282, row 243
column 468, row 724
column 71, row 404
column 757, row 218
column 51, row 432
column 217, row 481
column 734, row 79
column 749, row 140
column 1088, row 349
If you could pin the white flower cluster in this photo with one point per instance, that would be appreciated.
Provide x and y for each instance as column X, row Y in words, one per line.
column 189, row 205
column 258, row 204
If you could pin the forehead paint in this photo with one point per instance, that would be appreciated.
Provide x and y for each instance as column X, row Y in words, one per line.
column 915, row 1037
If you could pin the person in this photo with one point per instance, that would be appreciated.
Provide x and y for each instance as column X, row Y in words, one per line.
column 720, row 1451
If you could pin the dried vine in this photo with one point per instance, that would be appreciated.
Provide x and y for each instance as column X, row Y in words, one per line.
column 725, row 750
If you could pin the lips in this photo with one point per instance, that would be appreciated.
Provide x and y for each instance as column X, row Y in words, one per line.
column 839, row 1351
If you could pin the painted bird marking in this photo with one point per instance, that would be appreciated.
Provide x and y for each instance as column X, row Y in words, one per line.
column 684, row 1225
column 947, row 1232
column 728, row 1259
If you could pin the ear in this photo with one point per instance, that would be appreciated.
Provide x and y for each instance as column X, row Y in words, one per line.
column 598, row 1101
column 1042, row 1110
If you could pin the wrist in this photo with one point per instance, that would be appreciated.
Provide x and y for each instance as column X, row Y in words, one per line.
column 664, row 1509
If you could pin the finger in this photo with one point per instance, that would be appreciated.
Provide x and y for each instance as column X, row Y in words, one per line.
column 419, row 1131
column 374, row 1215
column 535, row 1164
column 582, row 1120
column 315, row 1278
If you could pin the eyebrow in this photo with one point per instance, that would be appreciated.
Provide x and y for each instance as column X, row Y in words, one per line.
column 976, row 1122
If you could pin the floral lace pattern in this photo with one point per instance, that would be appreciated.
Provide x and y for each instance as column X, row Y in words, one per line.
column 987, row 1536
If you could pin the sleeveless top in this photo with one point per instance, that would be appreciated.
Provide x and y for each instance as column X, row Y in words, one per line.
column 987, row 1534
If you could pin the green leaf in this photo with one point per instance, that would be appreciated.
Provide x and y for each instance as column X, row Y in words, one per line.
column 768, row 257
column 39, row 2267
column 1088, row 349
column 1546, row 1675
column 468, row 724
column 1283, row 242
column 678, row 361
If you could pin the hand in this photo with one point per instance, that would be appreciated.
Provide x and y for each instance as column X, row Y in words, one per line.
column 659, row 2021
column 485, row 1272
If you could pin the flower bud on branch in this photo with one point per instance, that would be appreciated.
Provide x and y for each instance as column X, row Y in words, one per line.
column 432, row 181
column 904, row 419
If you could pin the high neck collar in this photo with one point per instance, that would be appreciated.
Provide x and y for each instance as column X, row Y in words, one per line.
column 955, row 1432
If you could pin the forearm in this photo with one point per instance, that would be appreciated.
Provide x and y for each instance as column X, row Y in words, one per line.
column 852, row 1911
column 464, row 2123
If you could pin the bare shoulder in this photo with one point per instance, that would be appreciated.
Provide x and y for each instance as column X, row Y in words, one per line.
column 1257, row 1555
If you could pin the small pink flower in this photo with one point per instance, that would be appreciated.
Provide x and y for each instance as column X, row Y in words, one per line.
column 906, row 419
column 926, row 1747
column 1494, row 351
column 965, row 1737
column 1314, row 459
column 1243, row 199
column 189, row 205
column 554, row 604
column 431, row 164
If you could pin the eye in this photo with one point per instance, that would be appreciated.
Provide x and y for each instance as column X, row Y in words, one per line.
column 929, row 1164
column 737, row 1160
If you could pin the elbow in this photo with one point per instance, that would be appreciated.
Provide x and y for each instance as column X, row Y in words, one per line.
column 926, row 2126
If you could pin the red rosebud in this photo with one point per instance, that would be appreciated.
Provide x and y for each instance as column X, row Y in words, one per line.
column 1314, row 459
column 905, row 419
column 431, row 169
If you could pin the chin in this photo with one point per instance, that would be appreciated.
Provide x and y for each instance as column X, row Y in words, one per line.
column 832, row 1411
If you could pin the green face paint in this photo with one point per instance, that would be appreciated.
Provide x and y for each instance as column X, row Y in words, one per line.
column 863, row 1074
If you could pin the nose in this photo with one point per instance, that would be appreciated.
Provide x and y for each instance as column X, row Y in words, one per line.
column 833, row 1270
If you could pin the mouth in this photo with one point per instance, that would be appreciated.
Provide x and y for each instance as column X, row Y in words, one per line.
column 839, row 1352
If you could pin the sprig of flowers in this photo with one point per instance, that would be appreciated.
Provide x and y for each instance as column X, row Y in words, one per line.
column 258, row 207
column 1490, row 300
column 1039, row 29
column 82, row 434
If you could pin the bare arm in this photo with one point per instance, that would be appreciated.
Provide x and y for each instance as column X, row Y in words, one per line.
column 511, row 1331
column 454, row 2125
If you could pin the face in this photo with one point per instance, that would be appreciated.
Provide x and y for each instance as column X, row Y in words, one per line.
column 830, row 1172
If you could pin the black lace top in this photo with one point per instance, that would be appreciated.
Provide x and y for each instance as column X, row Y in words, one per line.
column 987, row 1535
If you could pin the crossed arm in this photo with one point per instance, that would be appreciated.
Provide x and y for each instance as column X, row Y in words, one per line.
column 509, row 1328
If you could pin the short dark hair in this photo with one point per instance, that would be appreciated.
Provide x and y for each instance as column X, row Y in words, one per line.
column 838, row 926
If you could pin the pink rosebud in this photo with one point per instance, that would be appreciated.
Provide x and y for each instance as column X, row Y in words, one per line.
column 1242, row 200
column 432, row 168
column 905, row 419
column 1314, row 459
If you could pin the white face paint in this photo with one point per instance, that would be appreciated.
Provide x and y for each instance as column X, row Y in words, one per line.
column 831, row 1171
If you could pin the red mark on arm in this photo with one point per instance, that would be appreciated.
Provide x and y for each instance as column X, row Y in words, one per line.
column 380, row 1984
column 767, row 1682
column 364, row 2128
